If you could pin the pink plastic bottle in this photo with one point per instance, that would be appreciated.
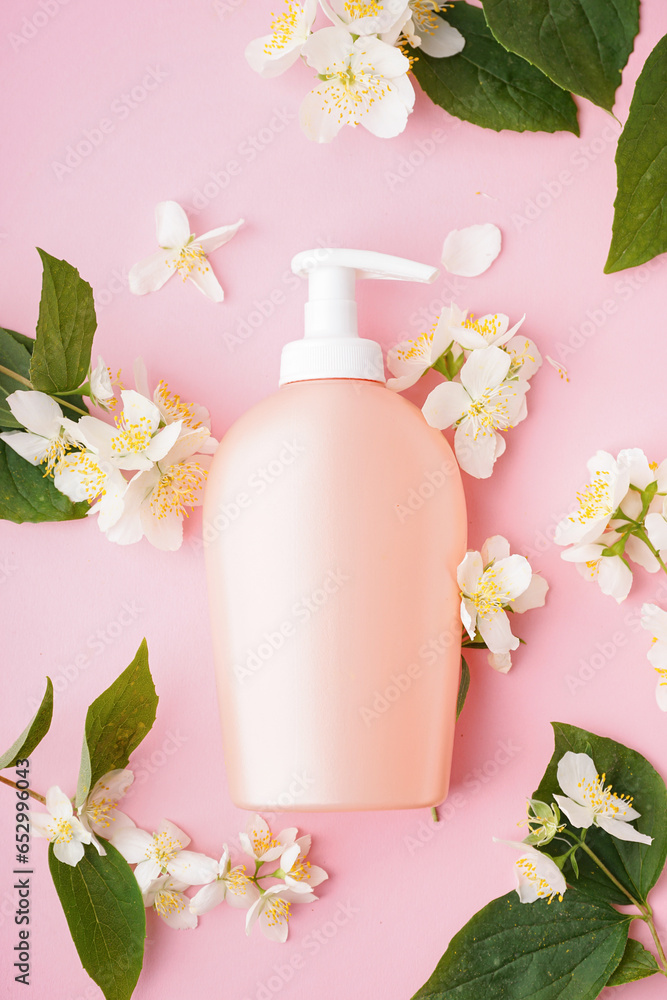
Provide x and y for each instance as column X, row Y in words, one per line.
column 334, row 521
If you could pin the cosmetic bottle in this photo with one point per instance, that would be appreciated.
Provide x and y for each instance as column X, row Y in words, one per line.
column 334, row 520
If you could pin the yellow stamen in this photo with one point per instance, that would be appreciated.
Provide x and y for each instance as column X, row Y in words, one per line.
column 178, row 488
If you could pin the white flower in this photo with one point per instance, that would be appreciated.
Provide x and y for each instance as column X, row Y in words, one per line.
column 101, row 386
column 487, row 591
column 136, row 441
column 367, row 17
column 654, row 620
column 272, row 54
column 230, row 883
column 611, row 572
column 272, row 910
column 99, row 814
column 165, row 894
column 181, row 252
column 259, row 843
column 362, row 82
column 157, row 500
column 482, row 404
column 298, row 873
column 537, row 876
column 192, row 416
column 587, row 802
column 471, row 251
column 83, row 475
column 411, row 358
column 163, row 852
column 61, row 827
column 491, row 330
column 599, row 499
column 525, row 355
column 46, row 438
column 425, row 30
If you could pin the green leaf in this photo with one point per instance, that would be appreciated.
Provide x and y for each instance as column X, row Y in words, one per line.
column 582, row 45
column 34, row 732
column 637, row 963
column 15, row 356
column 65, row 328
column 636, row 866
column 20, row 338
column 524, row 951
column 640, row 210
column 117, row 722
column 106, row 917
column 488, row 86
column 464, row 684
column 26, row 494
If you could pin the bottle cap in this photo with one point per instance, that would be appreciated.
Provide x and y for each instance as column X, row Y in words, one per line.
column 331, row 347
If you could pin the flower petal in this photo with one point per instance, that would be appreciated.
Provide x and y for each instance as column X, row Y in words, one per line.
column 656, row 529
column 172, row 226
column 654, row 620
column 477, row 453
column 484, row 370
column 445, row 404
column 32, row 447
column 134, row 844
column 533, row 597
column 150, row 274
column 217, row 237
column 495, row 548
column 469, row 572
column 575, row 771
column 36, row 411
column 622, row 831
column 471, row 251
column 204, row 279
column 496, row 632
column 192, row 868
column 208, row 897
column 512, row 576
column 442, row 42
column 579, row 816
column 614, row 577
column 58, row 804
column 70, row 852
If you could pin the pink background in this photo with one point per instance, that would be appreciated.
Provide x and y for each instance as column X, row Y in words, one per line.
column 65, row 591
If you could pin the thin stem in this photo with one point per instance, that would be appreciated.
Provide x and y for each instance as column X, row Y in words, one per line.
column 434, row 815
column 656, row 939
column 35, row 795
column 16, row 376
column 70, row 406
column 612, row 877
column 58, row 399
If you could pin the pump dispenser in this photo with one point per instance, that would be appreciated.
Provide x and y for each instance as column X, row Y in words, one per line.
column 331, row 347
column 334, row 521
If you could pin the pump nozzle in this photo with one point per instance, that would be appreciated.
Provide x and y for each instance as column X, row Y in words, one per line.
column 332, row 348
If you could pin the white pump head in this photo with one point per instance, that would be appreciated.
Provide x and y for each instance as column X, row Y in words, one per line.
column 331, row 347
